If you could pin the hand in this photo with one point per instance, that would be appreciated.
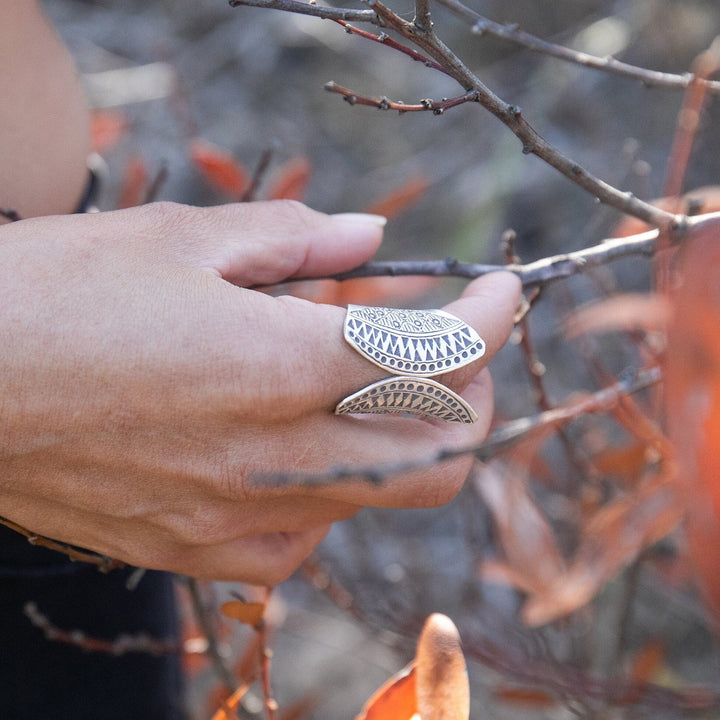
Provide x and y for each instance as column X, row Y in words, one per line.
column 143, row 387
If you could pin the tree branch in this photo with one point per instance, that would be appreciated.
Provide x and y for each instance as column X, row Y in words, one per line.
column 306, row 8
column 437, row 107
column 503, row 437
column 540, row 272
column 104, row 564
column 385, row 39
column 510, row 115
column 651, row 78
column 121, row 645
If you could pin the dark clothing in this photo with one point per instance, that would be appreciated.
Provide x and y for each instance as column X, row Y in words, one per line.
column 42, row 679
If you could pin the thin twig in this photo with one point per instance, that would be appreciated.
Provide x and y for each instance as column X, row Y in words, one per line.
column 437, row 107
column 650, row 78
column 539, row 272
column 306, row 8
column 258, row 174
column 104, row 563
column 205, row 621
column 503, row 437
column 121, row 645
column 270, row 703
column 510, row 115
column 385, row 39
column 705, row 65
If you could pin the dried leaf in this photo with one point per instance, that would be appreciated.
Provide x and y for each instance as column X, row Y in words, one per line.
column 219, row 168
column 615, row 537
column 530, row 698
column 250, row 613
column 364, row 291
column 693, row 401
column 648, row 661
column 227, row 710
column 625, row 462
column 106, row 129
column 443, row 692
column 134, row 184
column 533, row 559
column 627, row 312
column 394, row 700
column 291, row 180
column 701, row 200
column 401, row 197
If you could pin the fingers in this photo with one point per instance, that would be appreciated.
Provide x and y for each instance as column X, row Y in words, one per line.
column 328, row 368
column 339, row 445
column 258, row 560
column 263, row 243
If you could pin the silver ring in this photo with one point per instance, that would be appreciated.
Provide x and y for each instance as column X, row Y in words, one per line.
column 411, row 396
column 419, row 343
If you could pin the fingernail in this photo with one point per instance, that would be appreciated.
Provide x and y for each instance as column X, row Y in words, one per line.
column 362, row 218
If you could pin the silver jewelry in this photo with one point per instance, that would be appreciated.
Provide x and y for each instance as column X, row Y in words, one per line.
column 409, row 395
column 420, row 343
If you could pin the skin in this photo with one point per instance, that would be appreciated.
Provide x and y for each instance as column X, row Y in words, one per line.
column 144, row 387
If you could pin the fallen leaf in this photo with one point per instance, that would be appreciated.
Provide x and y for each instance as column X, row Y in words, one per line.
column 394, row 700
column 219, row 168
column 443, row 691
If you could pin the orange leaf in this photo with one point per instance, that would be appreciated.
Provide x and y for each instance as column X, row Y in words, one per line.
column 291, row 180
column 626, row 461
column 364, row 291
column 693, row 401
column 134, row 184
column 525, row 697
column 612, row 539
column 230, row 705
column 401, row 197
column 106, row 129
column 394, row 700
column 701, row 200
column 443, row 691
column 630, row 311
column 250, row 613
column 648, row 661
column 219, row 168
column 533, row 559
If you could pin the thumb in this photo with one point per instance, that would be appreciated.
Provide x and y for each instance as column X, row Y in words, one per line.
column 263, row 243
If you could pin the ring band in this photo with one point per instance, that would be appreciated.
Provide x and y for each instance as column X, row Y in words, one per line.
column 419, row 343
column 408, row 395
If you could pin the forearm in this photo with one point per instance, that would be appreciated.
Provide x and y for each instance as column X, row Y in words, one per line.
column 44, row 136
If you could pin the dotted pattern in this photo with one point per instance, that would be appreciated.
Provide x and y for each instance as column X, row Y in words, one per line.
column 420, row 343
column 408, row 395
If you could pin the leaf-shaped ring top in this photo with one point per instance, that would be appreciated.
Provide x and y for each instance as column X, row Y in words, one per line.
column 419, row 343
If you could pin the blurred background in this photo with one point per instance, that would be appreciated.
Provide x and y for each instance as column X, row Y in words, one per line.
column 165, row 74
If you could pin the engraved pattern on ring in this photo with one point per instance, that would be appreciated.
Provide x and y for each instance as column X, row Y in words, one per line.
column 420, row 343
column 408, row 395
